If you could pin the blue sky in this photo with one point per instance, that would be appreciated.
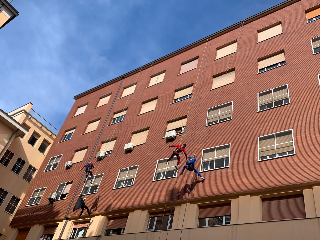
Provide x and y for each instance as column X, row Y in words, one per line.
column 55, row 50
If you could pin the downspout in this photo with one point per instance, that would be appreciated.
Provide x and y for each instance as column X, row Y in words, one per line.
column 8, row 142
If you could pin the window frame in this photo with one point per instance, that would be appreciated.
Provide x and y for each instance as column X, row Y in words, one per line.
column 310, row 20
column 269, row 27
column 312, row 45
column 82, row 105
column 45, row 188
column 272, row 89
column 15, row 207
column 77, row 231
column 186, row 62
column 32, row 167
column 201, row 164
column 104, row 96
column 221, row 105
column 154, row 75
column 155, row 171
column 43, row 141
column 4, row 191
column 128, row 86
column 88, row 124
column 34, row 137
column 226, row 45
column 6, row 158
column 275, row 142
column 271, row 67
column 134, row 179
column 147, row 101
column 65, row 135
column 111, row 232
column 18, row 165
column 52, row 164
column 94, row 177
column 112, row 122
column 176, row 100
column 65, row 185
column 207, row 221
column 170, row 222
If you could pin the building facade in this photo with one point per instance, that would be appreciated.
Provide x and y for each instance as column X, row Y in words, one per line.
column 7, row 13
column 24, row 144
column 245, row 100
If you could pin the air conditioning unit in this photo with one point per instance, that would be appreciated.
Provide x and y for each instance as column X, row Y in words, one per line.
column 52, row 196
column 128, row 147
column 170, row 134
column 100, row 154
column 68, row 164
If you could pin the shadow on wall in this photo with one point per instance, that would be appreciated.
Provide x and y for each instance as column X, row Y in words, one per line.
column 174, row 194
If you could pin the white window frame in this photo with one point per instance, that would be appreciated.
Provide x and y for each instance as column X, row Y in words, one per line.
column 312, row 45
column 201, row 165
column 65, row 184
column 272, row 89
column 45, row 188
column 319, row 78
column 207, row 221
column 275, row 142
column 16, row 206
column 155, row 171
column 155, row 220
column 52, row 164
column 134, row 179
column 220, row 106
column 94, row 177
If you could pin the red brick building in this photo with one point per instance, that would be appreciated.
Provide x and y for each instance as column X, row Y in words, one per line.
column 245, row 100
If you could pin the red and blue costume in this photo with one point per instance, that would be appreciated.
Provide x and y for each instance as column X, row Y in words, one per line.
column 89, row 166
column 190, row 167
column 177, row 151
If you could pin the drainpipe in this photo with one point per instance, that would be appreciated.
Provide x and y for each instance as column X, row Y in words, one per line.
column 8, row 142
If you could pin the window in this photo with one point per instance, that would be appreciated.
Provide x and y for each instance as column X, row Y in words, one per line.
column 47, row 237
column 78, row 232
column 183, row 93
column 221, row 80
column 126, row 177
column 129, row 90
column 226, row 50
column 116, row 226
column 149, row 105
column 3, row 195
column 179, row 125
column 160, row 223
column 26, row 127
column 110, row 232
column 92, row 186
column 17, row 167
column 80, row 110
column 104, row 100
column 140, row 137
column 272, row 62
column 119, row 116
column 316, row 45
column 36, row 196
column 92, row 126
column 108, row 146
column 29, row 173
column 220, row 113
column 68, row 134
column 274, row 97
column 63, row 190
column 79, row 155
column 313, row 15
column 214, row 221
column 276, row 145
column 269, row 32
column 53, row 163
column 12, row 205
column 189, row 65
column 44, row 145
column 33, row 139
column 216, row 157
column 165, row 169
column 6, row 158
column 158, row 78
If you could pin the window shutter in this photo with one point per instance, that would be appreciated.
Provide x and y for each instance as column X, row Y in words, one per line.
column 266, row 146
column 104, row 100
column 280, row 93
column 92, row 126
column 222, row 52
column 80, row 110
column 108, row 146
column 316, row 42
column 41, row 192
column 97, row 180
column 123, row 174
column 209, row 155
column 128, row 90
column 3, row 18
column 269, row 33
column 79, row 155
column 265, row 98
column 139, row 138
column 117, row 223
column 185, row 67
column 223, row 80
column 213, row 115
column 313, row 13
column 148, row 106
column 177, row 124
column 271, row 60
column 284, row 142
column 215, row 210
column 156, row 79
column 67, row 188
column 120, row 114
column 132, row 173
column 70, row 131
column 183, row 92
column 226, row 111
column 222, row 151
column 172, row 164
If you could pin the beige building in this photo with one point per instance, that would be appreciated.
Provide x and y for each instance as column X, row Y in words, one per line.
column 7, row 13
column 24, row 143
